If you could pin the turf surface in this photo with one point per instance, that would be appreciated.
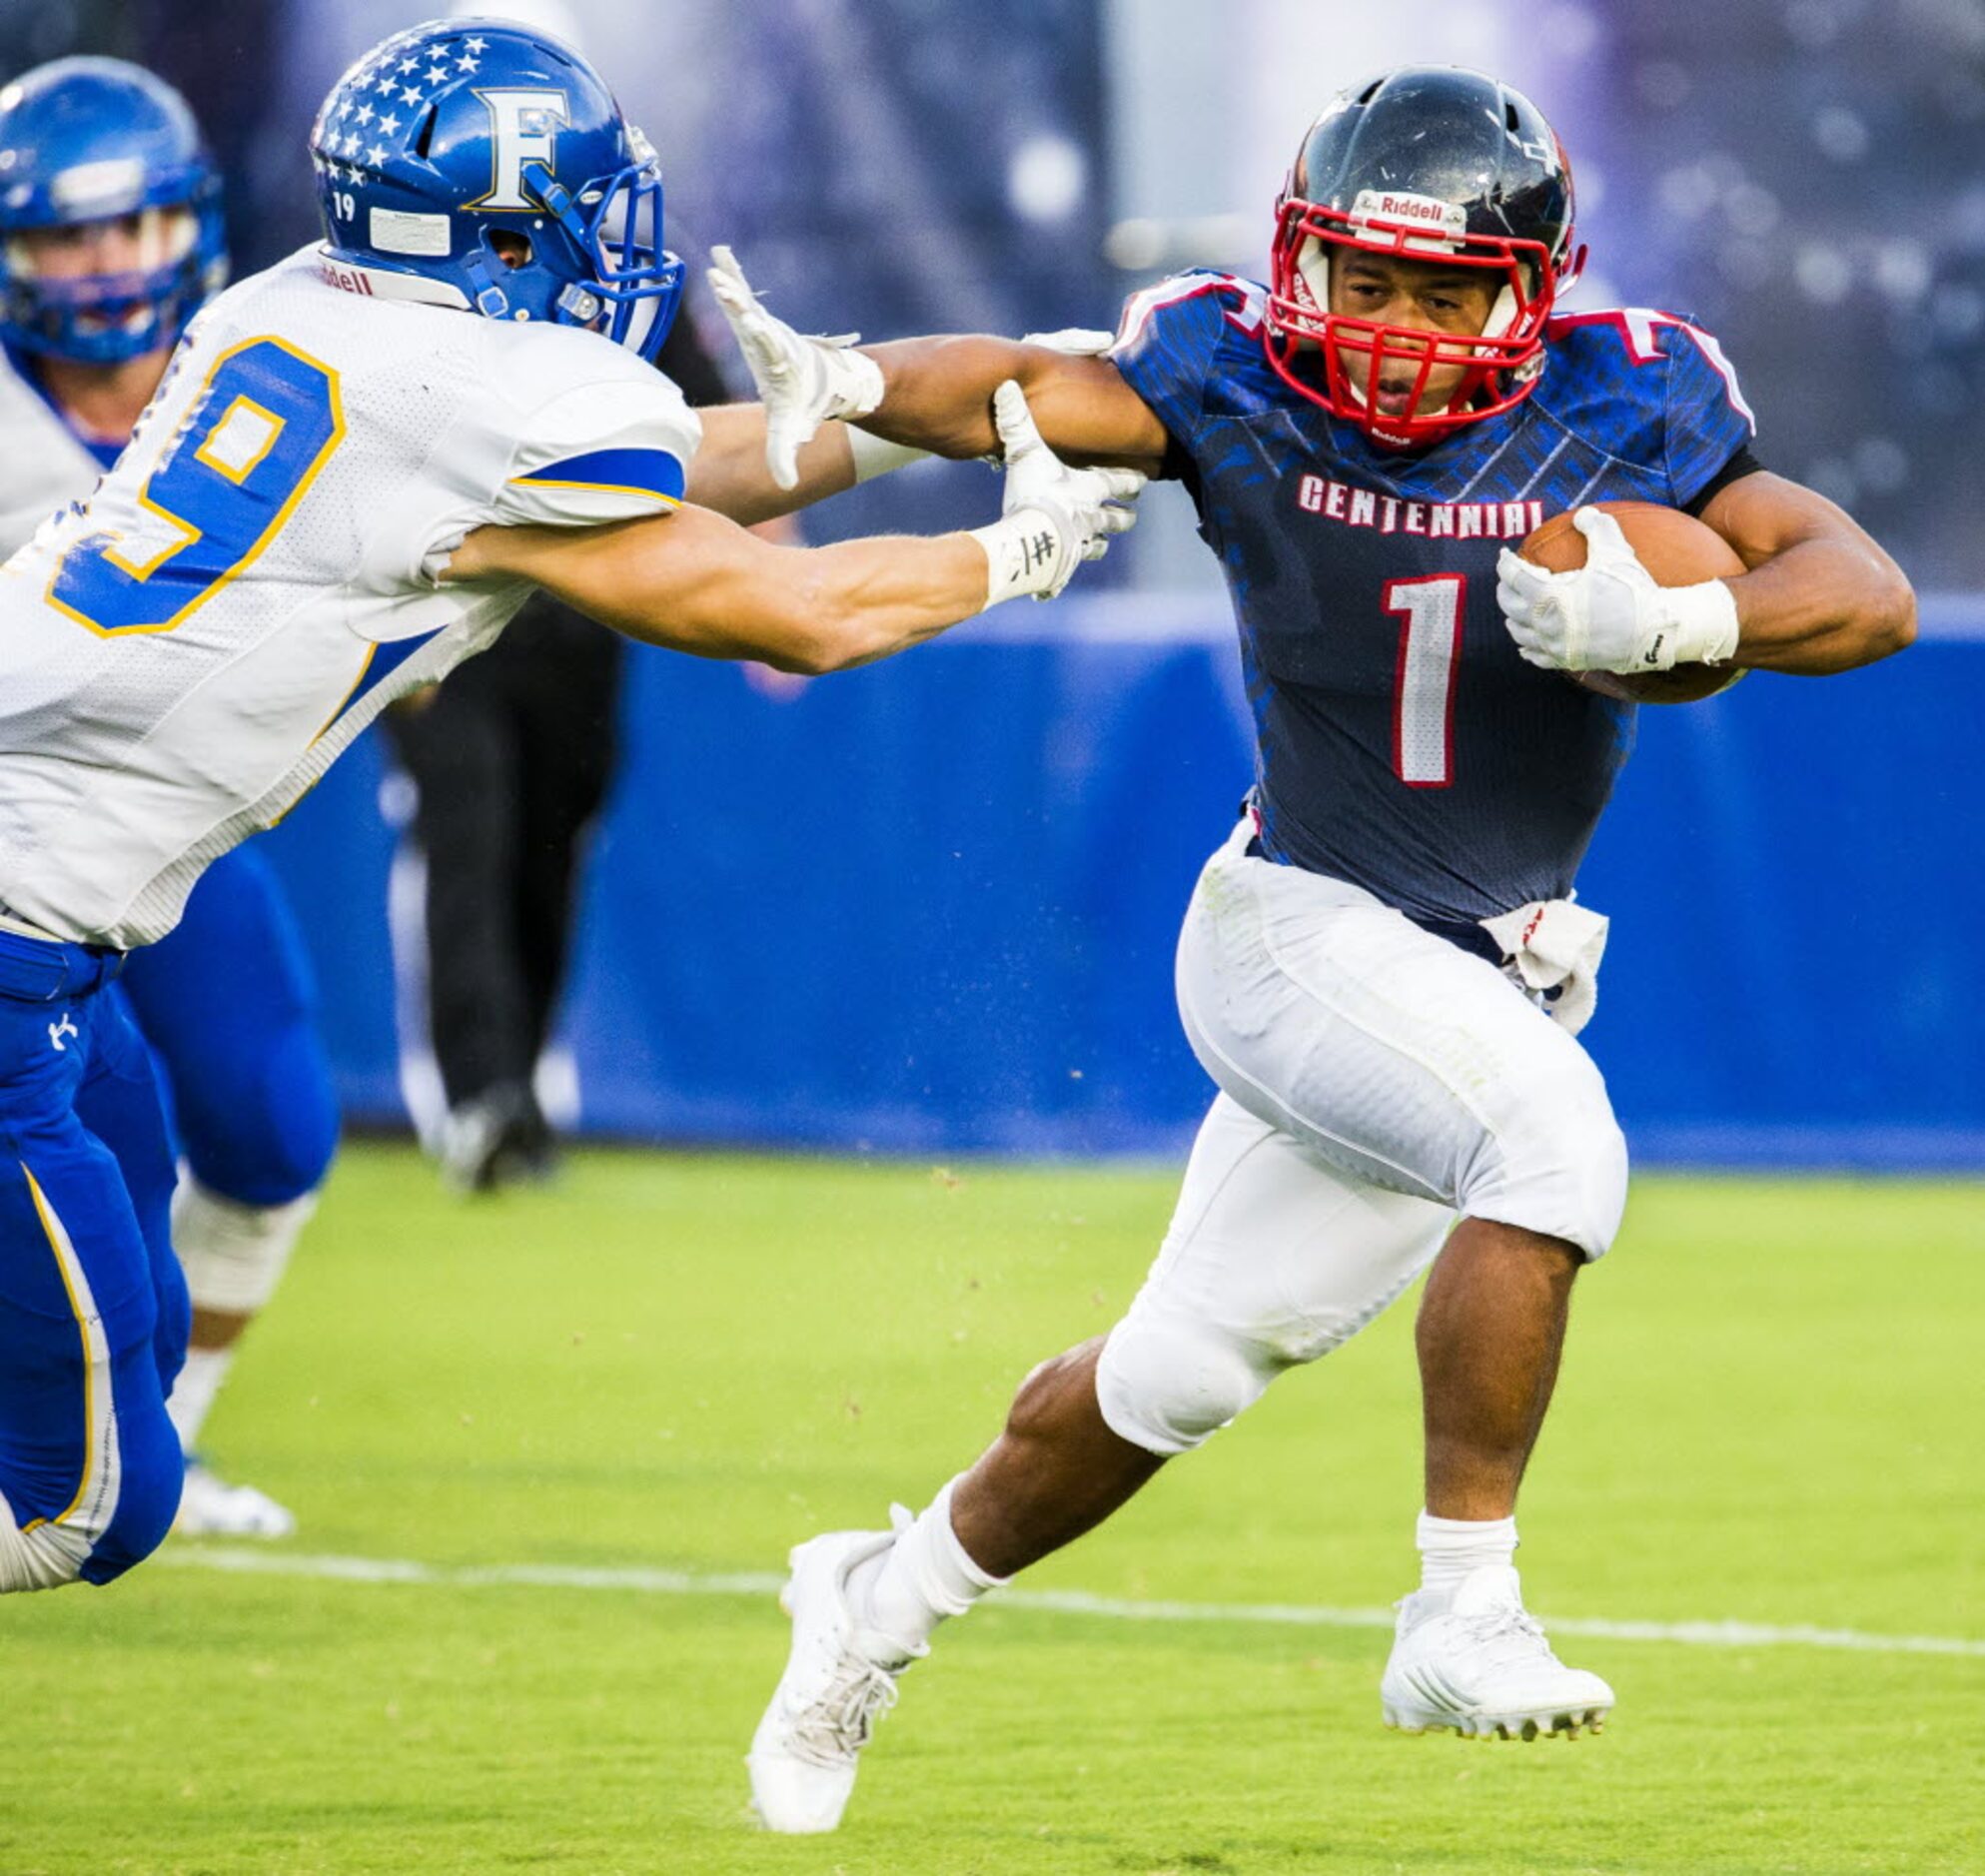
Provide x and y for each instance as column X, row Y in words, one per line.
column 1769, row 1415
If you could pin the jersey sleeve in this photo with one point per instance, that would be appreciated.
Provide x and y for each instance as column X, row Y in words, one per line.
column 1166, row 346
column 610, row 450
column 597, row 437
column 1707, row 419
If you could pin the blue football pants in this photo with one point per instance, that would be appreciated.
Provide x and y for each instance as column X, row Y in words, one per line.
column 227, row 1003
column 93, row 1310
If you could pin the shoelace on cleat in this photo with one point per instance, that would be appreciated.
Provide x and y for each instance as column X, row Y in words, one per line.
column 837, row 1726
column 1514, row 1626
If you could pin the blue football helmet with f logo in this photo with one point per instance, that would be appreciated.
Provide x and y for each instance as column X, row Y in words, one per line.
column 482, row 164
column 110, row 212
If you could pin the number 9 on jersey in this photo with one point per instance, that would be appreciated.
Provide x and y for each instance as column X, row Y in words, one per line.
column 262, row 426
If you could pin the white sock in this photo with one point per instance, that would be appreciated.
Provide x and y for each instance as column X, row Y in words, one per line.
column 1450, row 1547
column 922, row 1578
column 192, row 1392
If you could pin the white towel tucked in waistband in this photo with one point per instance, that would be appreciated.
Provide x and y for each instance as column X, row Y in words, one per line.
column 1553, row 944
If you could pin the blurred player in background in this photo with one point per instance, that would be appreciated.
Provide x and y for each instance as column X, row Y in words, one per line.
column 511, row 761
column 110, row 218
column 510, row 764
column 1365, row 965
column 359, row 466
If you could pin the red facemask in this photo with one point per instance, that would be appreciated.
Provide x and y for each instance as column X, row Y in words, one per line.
column 1501, row 365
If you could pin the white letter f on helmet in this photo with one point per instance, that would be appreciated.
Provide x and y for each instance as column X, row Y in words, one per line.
column 523, row 128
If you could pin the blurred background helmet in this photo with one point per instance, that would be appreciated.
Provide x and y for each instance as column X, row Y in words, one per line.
column 110, row 212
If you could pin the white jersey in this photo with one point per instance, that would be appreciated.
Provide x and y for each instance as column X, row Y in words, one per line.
column 44, row 465
column 182, row 657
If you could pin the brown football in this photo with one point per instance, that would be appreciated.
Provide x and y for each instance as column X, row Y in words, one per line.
column 1679, row 551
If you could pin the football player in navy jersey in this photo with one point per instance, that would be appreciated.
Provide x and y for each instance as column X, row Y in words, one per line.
column 1381, row 968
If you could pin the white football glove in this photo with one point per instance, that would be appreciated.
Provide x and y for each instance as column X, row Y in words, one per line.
column 1054, row 517
column 801, row 382
column 1609, row 615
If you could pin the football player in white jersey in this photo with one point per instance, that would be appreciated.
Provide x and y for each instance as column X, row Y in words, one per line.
column 110, row 242
column 358, row 464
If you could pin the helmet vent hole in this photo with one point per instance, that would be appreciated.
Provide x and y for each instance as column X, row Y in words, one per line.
column 1510, row 118
column 425, row 135
column 1371, row 91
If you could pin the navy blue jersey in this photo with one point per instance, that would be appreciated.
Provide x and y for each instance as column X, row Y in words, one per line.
column 1403, row 743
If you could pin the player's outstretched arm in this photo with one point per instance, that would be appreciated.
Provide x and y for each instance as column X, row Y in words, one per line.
column 729, row 471
column 1818, row 596
column 929, row 393
column 937, row 396
column 696, row 582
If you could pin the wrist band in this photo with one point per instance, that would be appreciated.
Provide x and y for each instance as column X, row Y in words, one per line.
column 877, row 455
column 856, row 380
column 1023, row 554
column 1705, row 622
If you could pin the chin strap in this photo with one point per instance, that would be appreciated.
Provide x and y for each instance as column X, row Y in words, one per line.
column 490, row 300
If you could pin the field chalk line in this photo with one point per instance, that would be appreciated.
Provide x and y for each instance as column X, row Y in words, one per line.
column 661, row 1583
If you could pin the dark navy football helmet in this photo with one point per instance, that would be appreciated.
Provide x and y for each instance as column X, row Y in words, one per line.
column 1427, row 163
column 96, row 140
column 491, row 162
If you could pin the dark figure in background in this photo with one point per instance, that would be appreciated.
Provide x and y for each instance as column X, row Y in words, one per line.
column 510, row 758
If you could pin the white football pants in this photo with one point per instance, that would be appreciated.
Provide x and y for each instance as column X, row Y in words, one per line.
column 1376, row 1082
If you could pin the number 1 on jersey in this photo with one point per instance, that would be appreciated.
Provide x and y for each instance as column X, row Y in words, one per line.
column 264, row 425
column 1431, row 609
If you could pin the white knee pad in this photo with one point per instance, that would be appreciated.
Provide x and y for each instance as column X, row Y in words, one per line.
column 1167, row 1382
column 233, row 1255
column 1273, row 1259
column 43, row 1559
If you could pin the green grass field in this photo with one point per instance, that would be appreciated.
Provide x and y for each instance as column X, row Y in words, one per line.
column 1770, row 1414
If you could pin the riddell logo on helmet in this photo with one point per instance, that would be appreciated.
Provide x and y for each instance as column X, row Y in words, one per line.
column 346, row 278
column 1385, row 205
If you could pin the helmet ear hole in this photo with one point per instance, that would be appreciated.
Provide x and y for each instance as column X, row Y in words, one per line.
column 511, row 246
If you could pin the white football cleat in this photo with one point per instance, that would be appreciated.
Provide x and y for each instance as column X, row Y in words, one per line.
column 1481, row 1667
column 840, row 1678
column 211, row 1507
